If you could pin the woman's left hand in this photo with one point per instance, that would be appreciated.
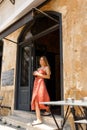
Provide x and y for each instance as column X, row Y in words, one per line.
column 36, row 73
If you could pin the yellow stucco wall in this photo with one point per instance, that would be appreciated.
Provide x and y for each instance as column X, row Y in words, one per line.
column 74, row 32
column 8, row 63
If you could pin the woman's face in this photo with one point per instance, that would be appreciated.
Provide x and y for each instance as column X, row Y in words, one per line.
column 42, row 62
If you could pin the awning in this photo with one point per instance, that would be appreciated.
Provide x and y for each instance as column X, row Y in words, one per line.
column 24, row 20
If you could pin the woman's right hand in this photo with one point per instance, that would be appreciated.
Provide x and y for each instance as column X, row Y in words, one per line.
column 35, row 73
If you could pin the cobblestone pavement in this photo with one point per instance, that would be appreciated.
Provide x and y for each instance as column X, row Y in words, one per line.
column 3, row 127
column 9, row 127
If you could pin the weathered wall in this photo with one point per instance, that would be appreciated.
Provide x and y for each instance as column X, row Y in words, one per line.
column 9, row 63
column 74, row 31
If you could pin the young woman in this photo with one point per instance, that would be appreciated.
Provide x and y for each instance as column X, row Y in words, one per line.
column 40, row 93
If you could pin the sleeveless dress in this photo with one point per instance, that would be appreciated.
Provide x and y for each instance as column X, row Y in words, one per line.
column 40, row 93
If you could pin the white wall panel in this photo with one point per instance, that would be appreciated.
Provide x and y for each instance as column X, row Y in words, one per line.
column 10, row 13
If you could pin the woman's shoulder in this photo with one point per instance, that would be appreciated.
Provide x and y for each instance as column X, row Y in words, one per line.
column 47, row 69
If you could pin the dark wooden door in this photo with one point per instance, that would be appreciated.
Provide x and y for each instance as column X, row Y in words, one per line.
column 25, row 77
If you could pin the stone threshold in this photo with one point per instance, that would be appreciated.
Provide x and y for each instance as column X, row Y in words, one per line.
column 24, row 120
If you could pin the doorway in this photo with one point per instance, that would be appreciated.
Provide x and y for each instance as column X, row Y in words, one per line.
column 38, row 39
column 49, row 46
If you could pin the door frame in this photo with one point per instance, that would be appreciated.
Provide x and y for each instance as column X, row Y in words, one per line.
column 1, row 55
column 61, row 50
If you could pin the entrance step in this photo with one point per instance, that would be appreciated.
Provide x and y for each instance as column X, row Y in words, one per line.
column 22, row 119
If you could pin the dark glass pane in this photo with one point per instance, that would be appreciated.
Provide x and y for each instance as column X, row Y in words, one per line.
column 25, row 52
column 36, row 28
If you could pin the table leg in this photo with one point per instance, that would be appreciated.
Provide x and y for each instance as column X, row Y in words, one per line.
column 66, row 116
column 54, row 119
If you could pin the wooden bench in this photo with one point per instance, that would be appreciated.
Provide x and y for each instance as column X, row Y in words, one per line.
column 3, row 105
column 80, row 122
column 83, row 121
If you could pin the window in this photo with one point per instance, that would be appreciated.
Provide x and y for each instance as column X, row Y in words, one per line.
column 25, row 52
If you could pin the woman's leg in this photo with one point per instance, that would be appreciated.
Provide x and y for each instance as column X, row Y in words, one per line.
column 38, row 121
column 38, row 115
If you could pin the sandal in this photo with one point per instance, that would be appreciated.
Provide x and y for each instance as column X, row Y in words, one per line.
column 46, row 114
column 37, row 122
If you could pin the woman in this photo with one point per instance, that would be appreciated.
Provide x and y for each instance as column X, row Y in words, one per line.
column 40, row 93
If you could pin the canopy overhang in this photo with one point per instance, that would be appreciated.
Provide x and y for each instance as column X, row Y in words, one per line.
column 24, row 20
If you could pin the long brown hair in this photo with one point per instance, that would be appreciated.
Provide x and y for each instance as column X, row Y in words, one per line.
column 46, row 61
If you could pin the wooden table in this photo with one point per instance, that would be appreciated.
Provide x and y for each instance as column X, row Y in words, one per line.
column 68, row 103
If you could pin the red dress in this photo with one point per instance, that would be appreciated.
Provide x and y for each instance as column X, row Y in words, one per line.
column 40, row 93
